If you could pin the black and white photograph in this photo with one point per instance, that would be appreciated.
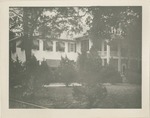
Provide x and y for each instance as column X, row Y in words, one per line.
column 75, row 57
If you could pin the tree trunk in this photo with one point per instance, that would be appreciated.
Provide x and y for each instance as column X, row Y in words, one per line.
column 27, row 40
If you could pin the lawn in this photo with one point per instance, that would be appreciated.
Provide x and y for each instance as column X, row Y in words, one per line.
column 119, row 96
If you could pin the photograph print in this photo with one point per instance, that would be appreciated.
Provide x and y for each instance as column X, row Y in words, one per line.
column 75, row 57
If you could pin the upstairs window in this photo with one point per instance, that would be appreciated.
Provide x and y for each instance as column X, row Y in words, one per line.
column 48, row 45
column 71, row 47
column 60, row 46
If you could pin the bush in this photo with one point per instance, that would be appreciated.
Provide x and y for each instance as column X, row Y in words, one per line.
column 110, row 75
column 67, row 71
column 91, row 96
column 45, row 75
column 90, row 67
column 16, row 73
column 134, row 77
column 30, row 75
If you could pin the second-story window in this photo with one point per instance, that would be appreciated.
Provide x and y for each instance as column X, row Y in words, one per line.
column 48, row 45
column 71, row 47
column 60, row 46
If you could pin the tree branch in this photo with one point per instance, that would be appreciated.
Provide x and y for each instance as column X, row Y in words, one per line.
column 16, row 13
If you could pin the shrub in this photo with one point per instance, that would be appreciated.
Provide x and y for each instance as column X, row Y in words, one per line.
column 110, row 75
column 92, row 96
column 67, row 71
column 45, row 75
column 90, row 67
column 134, row 77
column 16, row 73
column 30, row 75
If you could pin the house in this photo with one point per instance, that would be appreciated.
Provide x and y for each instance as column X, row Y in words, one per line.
column 52, row 49
column 49, row 49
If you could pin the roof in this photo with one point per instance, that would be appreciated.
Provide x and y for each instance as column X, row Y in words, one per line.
column 56, row 39
column 85, row 37
column 16, row 38
column 43, row 38
column 52, row 62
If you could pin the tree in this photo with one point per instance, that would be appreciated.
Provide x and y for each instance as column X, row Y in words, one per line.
column 67, row 71
column 121, row 25
column 29, row 22
column 92, row 92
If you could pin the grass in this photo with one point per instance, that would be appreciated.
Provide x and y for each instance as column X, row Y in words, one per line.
column 119, row 96
column 123, row 96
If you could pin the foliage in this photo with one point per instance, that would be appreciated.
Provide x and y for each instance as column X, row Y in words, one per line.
column 90, row 66
column 30, row 75
column 134, row 77
column 16, row 73
column 107, row 18
column 46, row 21
column 67, row 71
column 102, row 22
column 43, row 75
column 110, row 75
column 91, row 95
column 92, row 71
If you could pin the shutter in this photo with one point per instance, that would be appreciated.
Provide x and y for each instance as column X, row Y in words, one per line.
column 74, row 47
column 43, row 45
column 57, row 46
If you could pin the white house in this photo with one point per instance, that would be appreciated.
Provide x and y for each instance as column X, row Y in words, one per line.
column 52, row 49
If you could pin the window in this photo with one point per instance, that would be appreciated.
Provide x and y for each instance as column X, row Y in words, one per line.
column 48, row 45
column 71, row 47
column 60, row 46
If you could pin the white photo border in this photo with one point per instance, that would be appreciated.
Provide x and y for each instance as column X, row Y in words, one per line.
column 73, row 113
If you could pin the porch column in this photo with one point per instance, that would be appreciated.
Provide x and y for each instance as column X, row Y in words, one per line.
column 108, row 54
column 54, row 46
column 66, row 47
column 90, row 44
column 102, row 53
column 41, row 45
column 119, row 58
column 41, row 50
